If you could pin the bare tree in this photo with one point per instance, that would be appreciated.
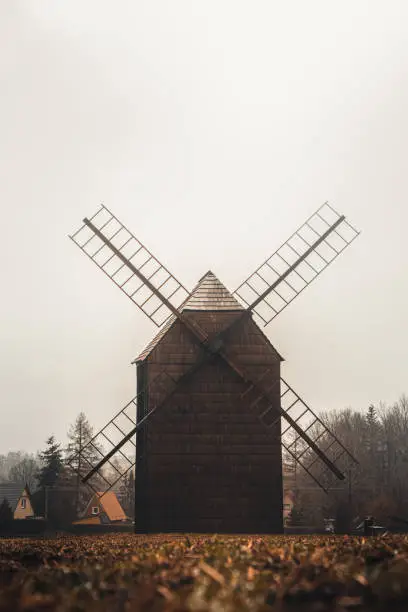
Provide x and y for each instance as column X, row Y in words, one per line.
column 25, row 472
column 378, row 485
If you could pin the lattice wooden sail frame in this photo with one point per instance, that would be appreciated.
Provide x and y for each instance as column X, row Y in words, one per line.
column 297, row 262
column 122, row 257
column 324, row 224
column 303, row 417
column 120, row 429
column 117, row 459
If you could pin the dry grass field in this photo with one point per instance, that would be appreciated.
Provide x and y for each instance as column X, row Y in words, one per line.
column 214, row 573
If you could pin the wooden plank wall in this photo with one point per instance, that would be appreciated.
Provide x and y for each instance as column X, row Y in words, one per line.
column 209, row 465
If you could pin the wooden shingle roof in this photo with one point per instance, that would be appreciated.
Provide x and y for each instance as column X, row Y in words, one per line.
column 12, row 492
column 209, row 294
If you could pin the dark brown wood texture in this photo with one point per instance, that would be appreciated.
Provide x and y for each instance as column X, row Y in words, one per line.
column 205, row 462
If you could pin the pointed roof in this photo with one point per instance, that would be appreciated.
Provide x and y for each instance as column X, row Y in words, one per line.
column 12, row 492
column 208, row 294
column 109, row 504
column 211, row 294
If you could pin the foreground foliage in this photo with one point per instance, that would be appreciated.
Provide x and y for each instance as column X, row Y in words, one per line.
column 214, row 573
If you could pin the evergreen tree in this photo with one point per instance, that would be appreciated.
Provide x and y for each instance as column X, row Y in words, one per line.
column 374, row 452
column 372, row 430
column 52, row 500
column 80, row 453
column 52, row 464
column 372, row 419
column 81, row 457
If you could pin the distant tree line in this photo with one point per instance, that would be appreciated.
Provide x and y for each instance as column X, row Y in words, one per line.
column 377, row 485
column 55, row 484
column 19, row 467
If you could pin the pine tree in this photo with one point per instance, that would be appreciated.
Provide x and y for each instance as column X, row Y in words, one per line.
column 373, row 430
column 81, row 456
column 374, row 456
column 50, row 501
column 371, row 418
column 52, row 464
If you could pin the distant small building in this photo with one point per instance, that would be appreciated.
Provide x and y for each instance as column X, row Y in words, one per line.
column 18, row 498
column 103, row 509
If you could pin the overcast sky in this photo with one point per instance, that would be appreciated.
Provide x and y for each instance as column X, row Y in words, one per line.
column 212, row 129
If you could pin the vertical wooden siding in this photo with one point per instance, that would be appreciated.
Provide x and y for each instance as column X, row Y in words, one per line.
column 208, row 464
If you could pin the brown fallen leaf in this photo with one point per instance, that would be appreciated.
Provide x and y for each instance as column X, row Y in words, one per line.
column 251, row 573
column 250, row 544
column 361, row 579
column 211, row 572
column 165, row 592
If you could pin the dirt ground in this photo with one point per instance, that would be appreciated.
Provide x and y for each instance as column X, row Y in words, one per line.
column 217, row 573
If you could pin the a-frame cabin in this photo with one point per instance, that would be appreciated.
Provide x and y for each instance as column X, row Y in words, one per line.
column 205, row 462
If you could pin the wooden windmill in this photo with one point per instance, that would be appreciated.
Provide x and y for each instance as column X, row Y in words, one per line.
column 206, row 429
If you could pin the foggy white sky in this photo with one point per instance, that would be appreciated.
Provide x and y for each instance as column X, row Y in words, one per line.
column 212, row 129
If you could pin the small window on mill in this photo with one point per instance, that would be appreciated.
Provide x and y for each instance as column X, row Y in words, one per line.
column 23, row 503
column 95, row 510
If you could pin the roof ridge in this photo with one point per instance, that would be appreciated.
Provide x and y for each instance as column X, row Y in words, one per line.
column 210, row 294
column 209, row 273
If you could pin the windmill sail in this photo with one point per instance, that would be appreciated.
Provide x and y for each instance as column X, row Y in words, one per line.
column 130, row 265
column 153, row 289
column 114, row 445
column 119, row 463
column 286, row 273
column 305, row 437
